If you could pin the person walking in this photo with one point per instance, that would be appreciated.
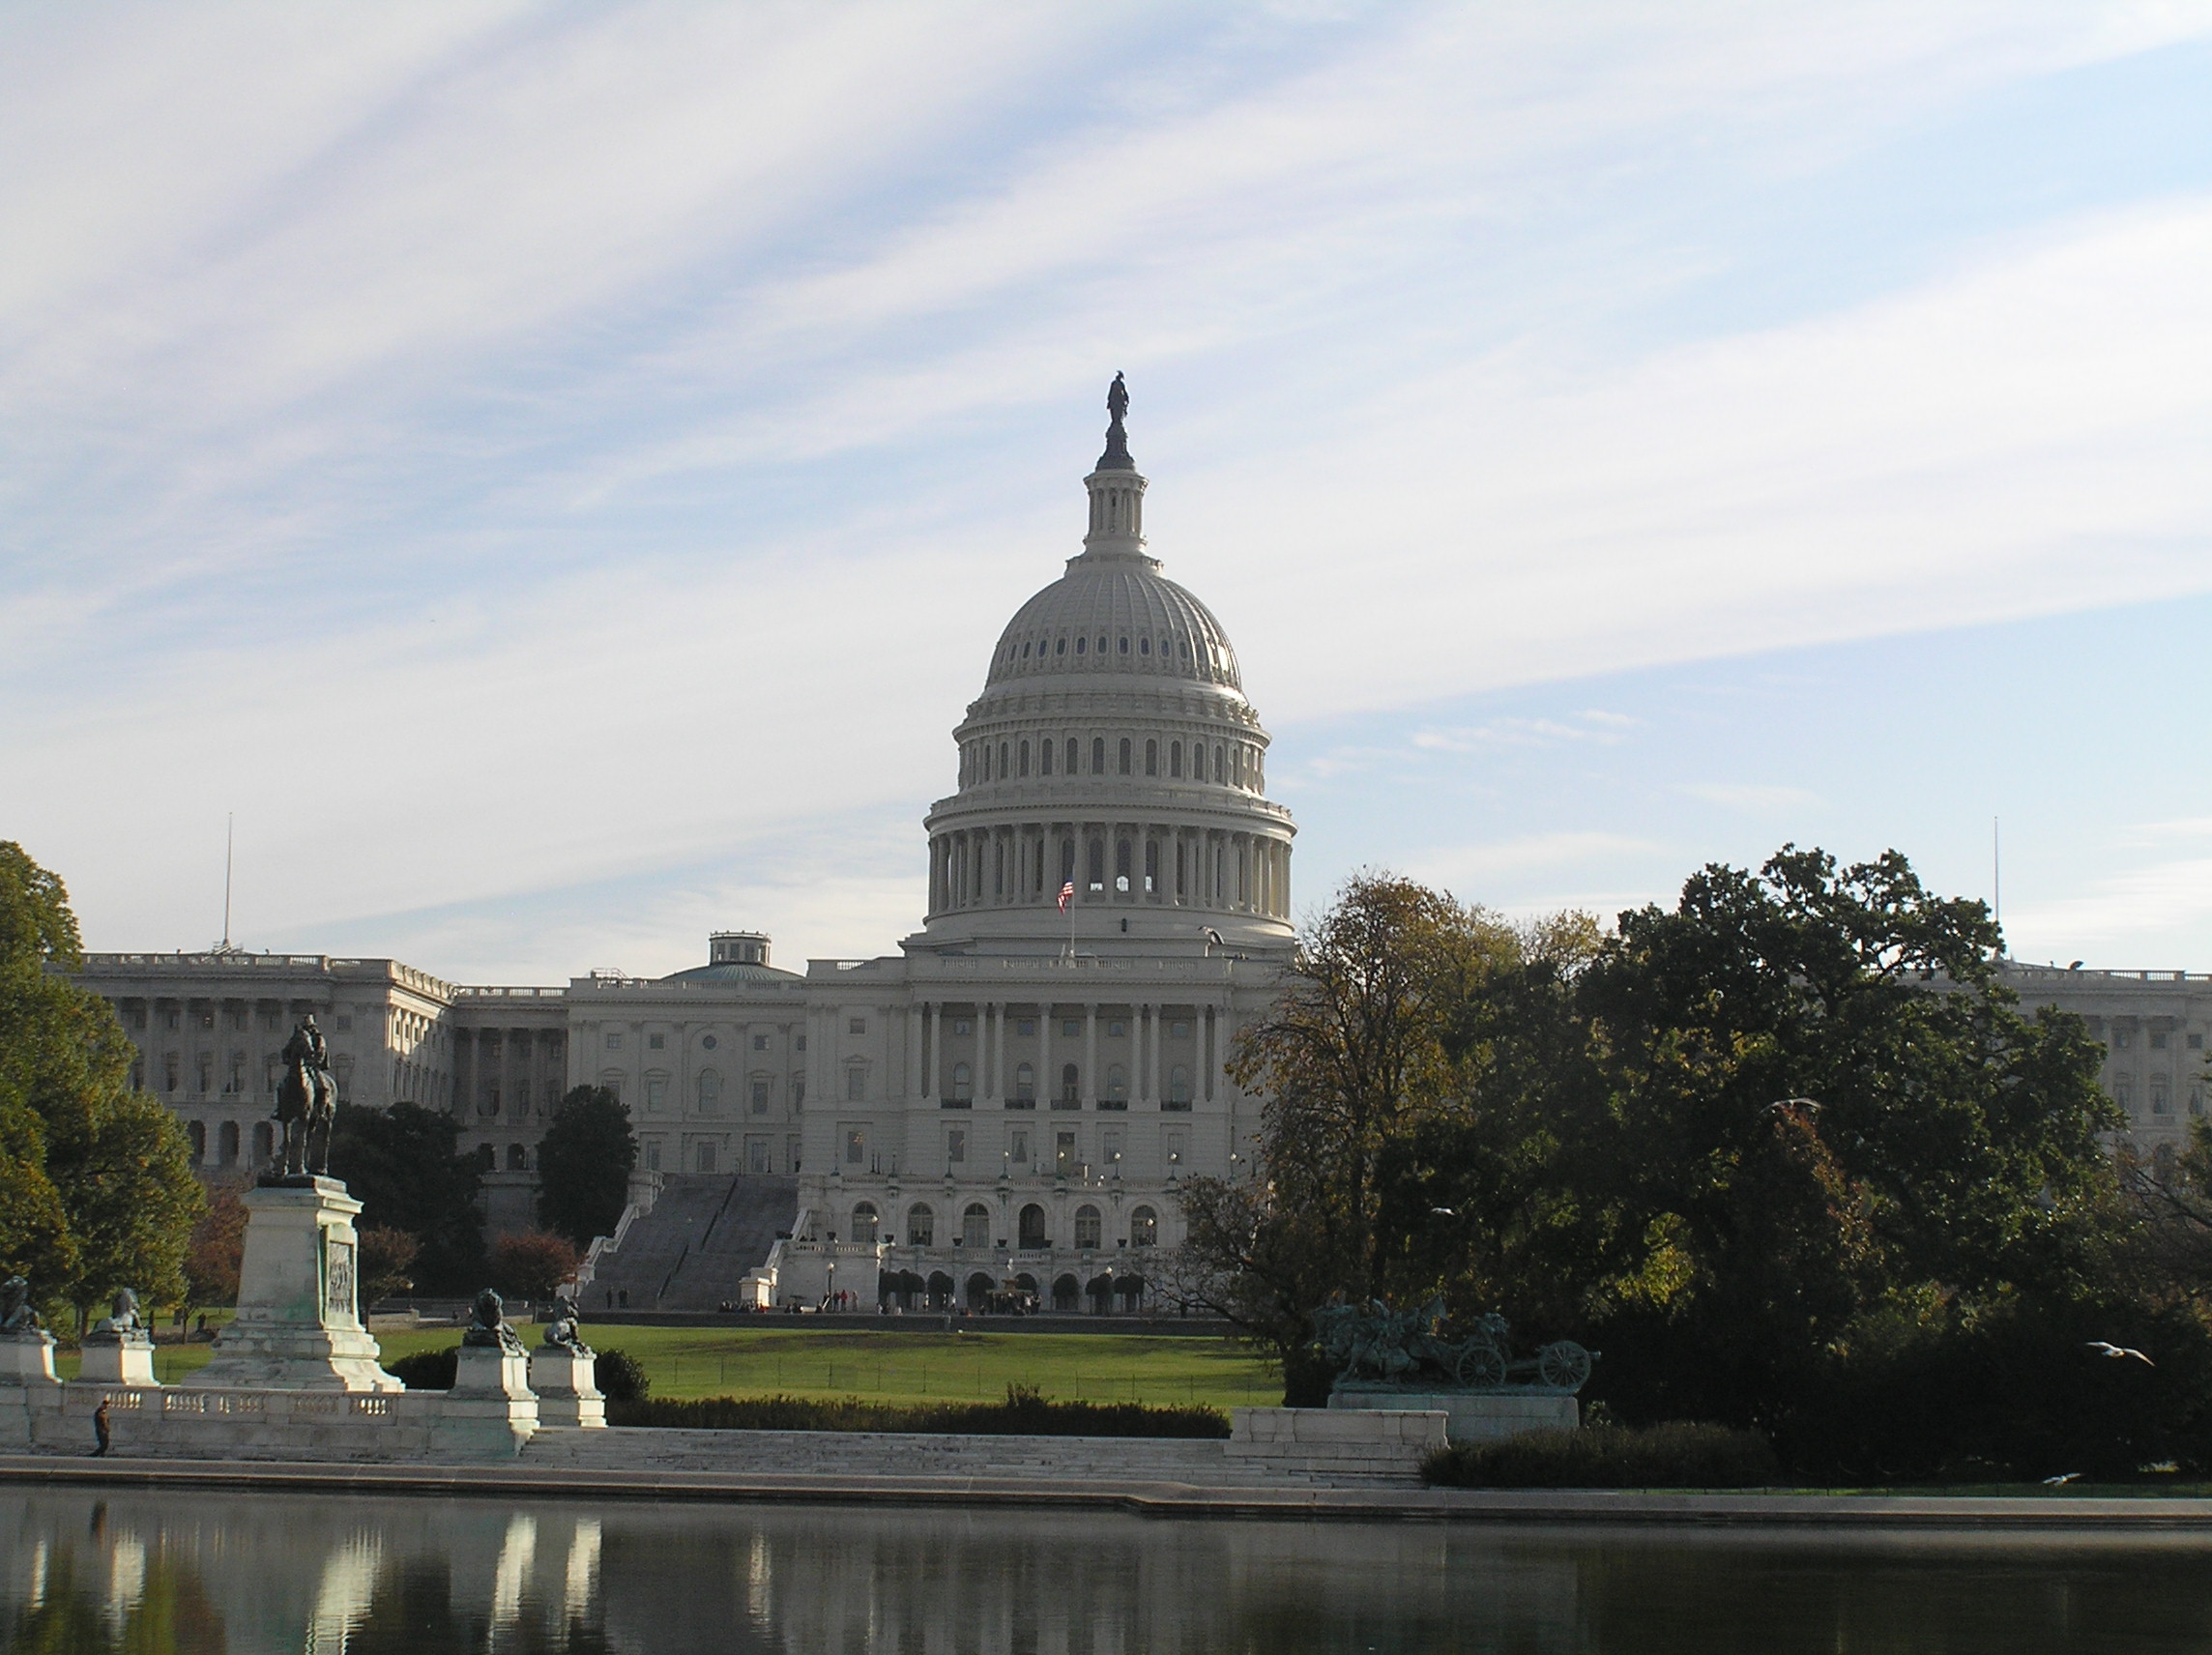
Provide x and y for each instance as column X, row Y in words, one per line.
column 100, row 1427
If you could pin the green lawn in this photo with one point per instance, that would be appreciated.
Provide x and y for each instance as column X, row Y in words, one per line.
column 889, row 1367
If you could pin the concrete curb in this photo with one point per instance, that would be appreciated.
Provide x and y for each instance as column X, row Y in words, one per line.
column 1162, row 1499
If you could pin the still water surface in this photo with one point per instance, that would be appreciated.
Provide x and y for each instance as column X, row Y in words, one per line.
column 157, row 1572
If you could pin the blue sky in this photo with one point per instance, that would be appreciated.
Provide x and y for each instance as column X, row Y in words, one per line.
column 557, row 474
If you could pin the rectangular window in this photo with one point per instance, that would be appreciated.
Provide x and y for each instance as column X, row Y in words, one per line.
column 705, row 1157
column 653, row 1155
column 1117, row 1026
column 657, row 1042
column 760, row 1042
column 1071, row 1027
column 2196, row 1042
column 1110, row 1146
column 955, row 1147
column 1063, row 1154
column 655, row 1092
column 756, row 1155
column 1175, row 1141
column 856, row 1084
column 1018, row 1145
column 961, row 1025
column 1028, row 1026
column 791, row 1152
column 856, row 1146
column 614, row 1042
column 344, row 1024
column 800, row 1044
column 798, row 1092
column 2157, row 1041
column 1179, row 1030
column 760, row 1095
column 856, row 1025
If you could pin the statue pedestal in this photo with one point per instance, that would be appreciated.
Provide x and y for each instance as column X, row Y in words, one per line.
column 116, row 1359
column 491, row 1410
column 298, row 1322
column 27, row 1358
column 1473, row 1416
column 567, row 1394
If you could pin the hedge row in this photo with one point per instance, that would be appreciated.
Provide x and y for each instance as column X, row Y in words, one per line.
column 1024, row 1413
column 1611, row 1457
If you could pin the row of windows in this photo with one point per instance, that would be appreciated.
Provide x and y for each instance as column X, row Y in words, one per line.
column 707, row 1091
column 992, row 865
column 1233, row 763
column 226, row 1143
column 1171, row 648
column 2160, row 1095
column 707, row 1042
column 1069, row 1090
column 1031, row 1228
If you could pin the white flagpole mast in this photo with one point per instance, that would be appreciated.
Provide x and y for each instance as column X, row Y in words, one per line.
column 229, row 839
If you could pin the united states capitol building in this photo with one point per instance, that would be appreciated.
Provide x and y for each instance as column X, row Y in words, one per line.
column 1008, row 1103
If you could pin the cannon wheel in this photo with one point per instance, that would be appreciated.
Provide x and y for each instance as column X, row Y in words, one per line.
column 1482, row 1365
column 1564, row 1366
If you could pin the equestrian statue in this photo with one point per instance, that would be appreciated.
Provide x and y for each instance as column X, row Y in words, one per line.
column 307, row 1101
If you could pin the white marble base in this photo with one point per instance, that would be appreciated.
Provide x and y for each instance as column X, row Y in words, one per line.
column 124, row 1361
column 567, row 1394
column 298, row 1325
column 491, row 1410
column 1485, row 1417
column 27, row 1359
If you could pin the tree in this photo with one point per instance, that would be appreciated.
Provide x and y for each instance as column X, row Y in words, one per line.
column 401, row 1165
column 584, row 1164
column 532, row 1264
column 217, row 1249
column 96, row 1184
column 387, row 1256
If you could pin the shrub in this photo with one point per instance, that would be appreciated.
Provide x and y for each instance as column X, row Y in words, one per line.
column 1024, row 1413
column 621, row 1376
column 428, row 1370
column 1676, row 1456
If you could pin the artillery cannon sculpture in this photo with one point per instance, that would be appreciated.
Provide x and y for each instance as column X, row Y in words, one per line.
column 1375, row 1348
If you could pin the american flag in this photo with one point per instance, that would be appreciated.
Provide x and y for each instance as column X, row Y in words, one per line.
column 1067, row 896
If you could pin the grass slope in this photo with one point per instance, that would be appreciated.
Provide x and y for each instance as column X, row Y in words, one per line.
column 714, row 1361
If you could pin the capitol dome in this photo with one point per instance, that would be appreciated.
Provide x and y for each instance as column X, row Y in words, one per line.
column 1111, row 755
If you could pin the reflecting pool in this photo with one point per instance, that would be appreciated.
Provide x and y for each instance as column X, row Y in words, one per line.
column 147, row 1573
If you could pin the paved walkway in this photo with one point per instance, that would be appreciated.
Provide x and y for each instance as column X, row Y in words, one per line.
column 1161, row 1500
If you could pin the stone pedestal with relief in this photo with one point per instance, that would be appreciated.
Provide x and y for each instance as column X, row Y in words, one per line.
column 298, row 1316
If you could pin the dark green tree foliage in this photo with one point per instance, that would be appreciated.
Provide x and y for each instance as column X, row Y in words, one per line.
column 1786, row 1153
column 401, row 1165
column 96, row 1184
column 584, row 1164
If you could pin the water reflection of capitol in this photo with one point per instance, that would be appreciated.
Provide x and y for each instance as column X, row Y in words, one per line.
column 228, row 1572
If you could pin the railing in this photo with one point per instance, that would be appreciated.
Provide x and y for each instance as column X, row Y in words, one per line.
column 476, row 992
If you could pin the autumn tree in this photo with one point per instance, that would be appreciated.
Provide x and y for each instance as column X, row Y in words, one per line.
column 533, row 1264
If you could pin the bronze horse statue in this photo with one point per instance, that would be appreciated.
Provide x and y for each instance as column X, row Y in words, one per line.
column 307, row 1101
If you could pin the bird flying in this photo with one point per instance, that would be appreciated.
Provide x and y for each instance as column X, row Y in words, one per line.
column 2105, row 1347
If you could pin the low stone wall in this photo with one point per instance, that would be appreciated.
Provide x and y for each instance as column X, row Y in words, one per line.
column 1483, row 1417
column 1320, row 1443
column 165, row 1422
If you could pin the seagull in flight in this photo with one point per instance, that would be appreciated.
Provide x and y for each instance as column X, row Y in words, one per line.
column 2105, row 1347
column 2059, row 1482
column 1445, row 1211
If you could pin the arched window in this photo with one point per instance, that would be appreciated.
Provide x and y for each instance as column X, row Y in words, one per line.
column 1067, row 861
column 226, row 1143
column 1070, row 1091
column 710, row 1086
column 1151, row 758
column 1074, row 750
column 1024, row 758
column 975, row 1226
column 1144, row 1227
column 864, row 1222
column 1122, row 866
column 1179, row 1084
column 1151, row 865
column 920, row 1225
column 1002, row 761
column 264, row 1144
column 1097, row 755
column 1032, row 1227
column 2161, row 1103
column 1117, row 1082
column 1124, row 646
column 1066, row 1293
column 2124, row 1092
column 1220, row 774
column 517, row 1158
column 196, row 1132
column 963, row 1084
column 1174, row 759
column 1060, row 648
column 1024, row 1083
column 1125, row 755
column 1097, row 866
column 1198, row 760
column 1080, row 643
column 1044, row 758
column 1085, row 1227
